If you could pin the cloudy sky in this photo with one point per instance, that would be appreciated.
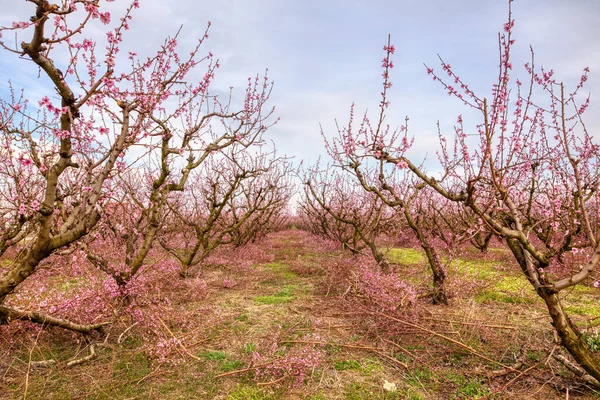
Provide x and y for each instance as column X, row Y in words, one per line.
column 325, row 54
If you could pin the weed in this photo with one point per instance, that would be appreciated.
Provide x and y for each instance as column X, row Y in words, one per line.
column 533, row 355
column 472, row 390
column 249, row 348
column 592, row 340
column 242, row 318
column 245, row 392
column 347, row 365
column 216, row 355
column 230, row 365
column 421, row 374
column 284, row 296
column 373, row 366
column 402, row 357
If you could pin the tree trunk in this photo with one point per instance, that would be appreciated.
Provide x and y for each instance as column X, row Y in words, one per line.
column 437, row 269
column 8, row 314
column 23, row 268
column 569, row 334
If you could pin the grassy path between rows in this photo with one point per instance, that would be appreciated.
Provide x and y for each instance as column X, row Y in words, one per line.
column 289, row 312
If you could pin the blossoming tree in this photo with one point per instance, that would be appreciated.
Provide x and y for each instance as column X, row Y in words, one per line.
column 530, row 175
column 108, row 119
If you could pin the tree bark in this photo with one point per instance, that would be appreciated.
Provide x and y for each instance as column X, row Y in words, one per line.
column 8, row 314
column 438, row 271
column 569, row 334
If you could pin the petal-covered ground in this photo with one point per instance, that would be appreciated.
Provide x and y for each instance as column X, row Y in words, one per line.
column 294, row 318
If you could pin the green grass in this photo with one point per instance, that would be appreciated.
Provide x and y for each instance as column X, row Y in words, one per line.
column 467, row 388
column 480, row 270
column 420, row 375
column 216, row 355
column 283, row 271
column 222, row 360
column 230, row 365
column 130, row 369
column 246, row 392
column 285, row 295
column 347, row 365
column 249, row 348
column 584, row 309
column 275, row 265
column 501, row 297
column 472, row 390
column 406, row 256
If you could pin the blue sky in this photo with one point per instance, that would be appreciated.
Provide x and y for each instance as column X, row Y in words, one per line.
column 324, row 55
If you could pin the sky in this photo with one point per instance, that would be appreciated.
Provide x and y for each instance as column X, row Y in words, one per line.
column 324, row 55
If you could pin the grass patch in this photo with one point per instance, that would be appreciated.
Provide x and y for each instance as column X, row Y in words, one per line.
column 406, row 256
column 419, row 375
column 472, row 390
column 480, row 270
column 132, row 368
column 249, row 348
column 347, row 365
column 282, row 269
column 222, row 359
column 284, row 296
column 216, row 355
column 467, row 388
column 275, row 265
column 584, row 309
column 246, row 392
column 501, row 297
column 230, row 365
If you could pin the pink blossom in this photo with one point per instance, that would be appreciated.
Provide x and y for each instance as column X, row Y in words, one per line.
column 401, row 164
column 20, row 25
column 390, row 48
column 105, row 18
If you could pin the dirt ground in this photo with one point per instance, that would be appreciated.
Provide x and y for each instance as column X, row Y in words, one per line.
column 291, row 324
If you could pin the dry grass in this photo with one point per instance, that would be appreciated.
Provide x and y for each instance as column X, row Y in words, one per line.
column 297, row 302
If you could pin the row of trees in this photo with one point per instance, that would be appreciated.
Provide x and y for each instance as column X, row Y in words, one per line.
column 527, row 172
column 132, row 154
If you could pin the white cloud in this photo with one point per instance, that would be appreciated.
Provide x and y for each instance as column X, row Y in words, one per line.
column 323, row 55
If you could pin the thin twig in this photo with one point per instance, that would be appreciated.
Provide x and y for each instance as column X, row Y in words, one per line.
column 456, row 342
column 120, row 339
column 518, row 376
column 473, row 324
column 395, row 361
column 349, row 346
column 185, row 350
column 414, row 357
